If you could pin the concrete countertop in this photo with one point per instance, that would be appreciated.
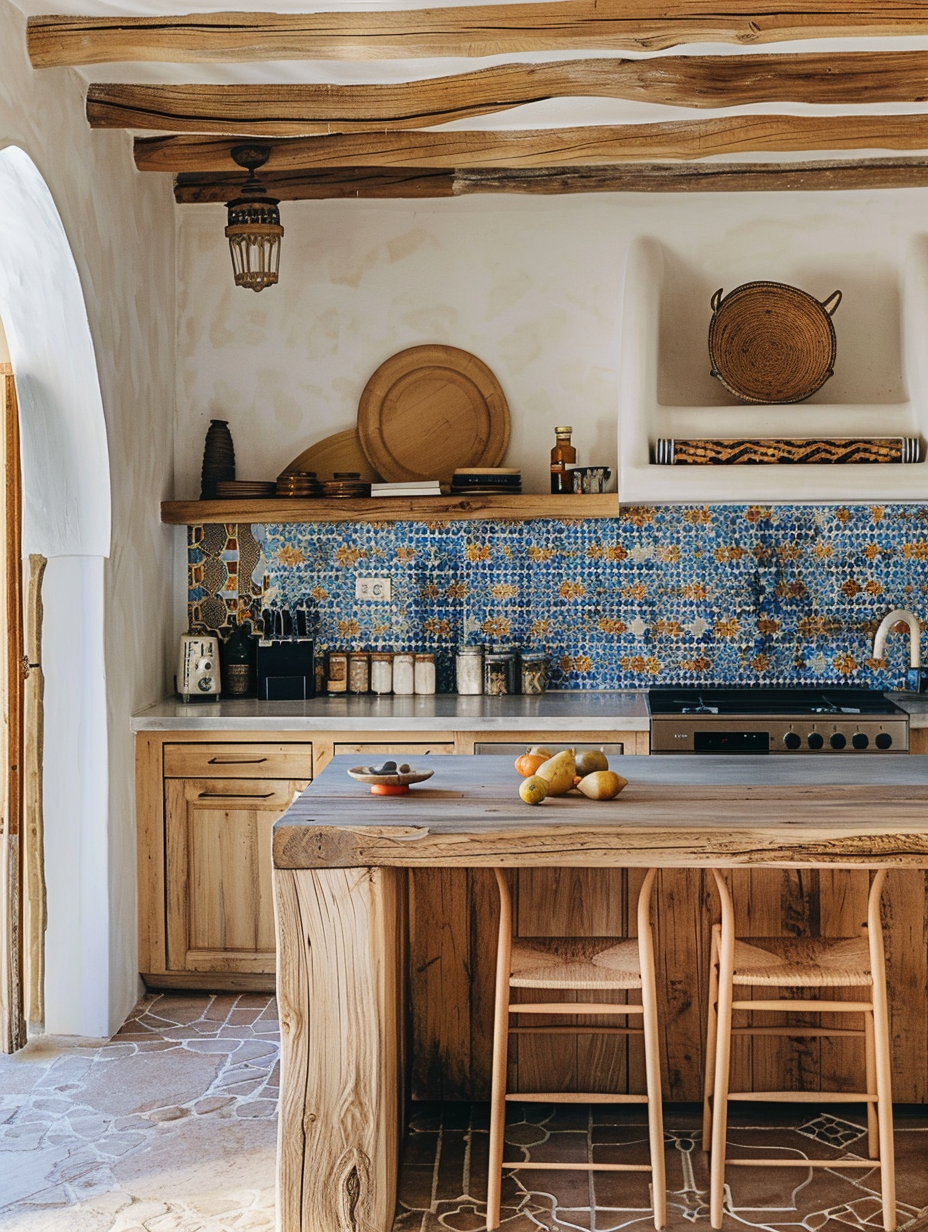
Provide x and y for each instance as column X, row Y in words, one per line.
column 566, row 711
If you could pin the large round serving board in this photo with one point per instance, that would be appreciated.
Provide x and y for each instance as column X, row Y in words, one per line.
column 429, row 410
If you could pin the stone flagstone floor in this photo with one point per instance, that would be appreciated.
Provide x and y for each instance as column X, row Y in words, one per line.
column 168, row 1127
column 171, row 1127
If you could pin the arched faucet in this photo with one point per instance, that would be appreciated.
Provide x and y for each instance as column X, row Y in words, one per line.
column 913, row 677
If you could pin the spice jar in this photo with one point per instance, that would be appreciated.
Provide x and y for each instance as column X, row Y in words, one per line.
column 424, row 673
column 534, row 672
column 358, row 672
column 496, row 674
column 337, row 678
column 381, row 672
column 469, row 665
column 403, row 674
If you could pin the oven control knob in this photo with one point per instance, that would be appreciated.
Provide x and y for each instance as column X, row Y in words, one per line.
column 816, row 740
column 860, row 740
column 838, row 740
column 792, row 740
column 883, row 741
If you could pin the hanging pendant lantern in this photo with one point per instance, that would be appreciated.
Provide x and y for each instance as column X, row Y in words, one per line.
column 254, row 231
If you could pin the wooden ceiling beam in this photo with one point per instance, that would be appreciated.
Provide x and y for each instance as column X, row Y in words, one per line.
column 475, row 30
column 553, row 147
column 370, row 183
column 684, row 81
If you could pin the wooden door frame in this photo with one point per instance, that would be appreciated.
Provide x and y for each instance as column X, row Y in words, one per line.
column 12, row 680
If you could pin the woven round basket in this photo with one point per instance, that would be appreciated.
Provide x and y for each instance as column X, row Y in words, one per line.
column 769, row 342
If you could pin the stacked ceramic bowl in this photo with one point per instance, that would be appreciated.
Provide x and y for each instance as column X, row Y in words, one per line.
column 299, row 485
column 245, row 489
column 486, row 481
column 345, row 485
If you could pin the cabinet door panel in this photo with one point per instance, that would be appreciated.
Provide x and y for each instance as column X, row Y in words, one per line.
column 218, row 857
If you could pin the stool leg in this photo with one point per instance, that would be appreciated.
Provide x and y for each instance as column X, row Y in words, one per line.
column 882, row 1050
column 873, row 1140
column 722, row 1068
column 500, row 1054
column 712, row 1031
column 652, row 1061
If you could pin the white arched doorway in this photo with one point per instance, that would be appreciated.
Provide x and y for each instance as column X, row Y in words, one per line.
column 66, row 518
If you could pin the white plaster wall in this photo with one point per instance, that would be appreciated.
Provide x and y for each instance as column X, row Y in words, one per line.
column 106, row 640
column 532, row 286
column 4, row 349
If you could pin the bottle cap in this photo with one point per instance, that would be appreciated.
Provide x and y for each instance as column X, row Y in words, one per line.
column 563, row 430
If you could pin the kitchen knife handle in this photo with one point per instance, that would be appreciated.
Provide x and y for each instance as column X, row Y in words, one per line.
column 234, row 795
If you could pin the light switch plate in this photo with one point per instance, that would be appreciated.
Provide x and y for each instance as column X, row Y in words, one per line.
column 376, row 589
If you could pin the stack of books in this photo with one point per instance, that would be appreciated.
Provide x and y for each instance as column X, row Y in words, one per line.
column 415, row 487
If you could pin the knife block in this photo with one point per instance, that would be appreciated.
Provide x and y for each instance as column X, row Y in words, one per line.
column 286, row 669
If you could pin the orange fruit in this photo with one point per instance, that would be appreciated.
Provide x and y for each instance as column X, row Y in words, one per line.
column 528, row 763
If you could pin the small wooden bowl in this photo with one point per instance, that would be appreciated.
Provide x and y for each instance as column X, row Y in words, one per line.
column 395, row 784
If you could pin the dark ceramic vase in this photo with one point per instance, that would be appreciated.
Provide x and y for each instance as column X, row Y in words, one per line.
column 218, row 458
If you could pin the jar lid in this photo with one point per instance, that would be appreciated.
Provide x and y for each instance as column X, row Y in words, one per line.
column 497, row 658
column 533, row 656
column 357, row 654
column 381, row 655
column 564, row 429
column 425, row 658
column 470, row 650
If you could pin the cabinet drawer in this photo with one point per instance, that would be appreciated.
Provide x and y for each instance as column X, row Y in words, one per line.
column 404, row 749
column 253, row 761
column 511, row 749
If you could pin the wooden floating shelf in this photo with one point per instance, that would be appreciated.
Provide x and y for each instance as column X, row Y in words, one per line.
column 391, row 509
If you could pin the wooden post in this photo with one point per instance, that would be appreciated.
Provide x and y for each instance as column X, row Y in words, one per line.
column 36, row 919
column 341, row 957
column 12, row 1020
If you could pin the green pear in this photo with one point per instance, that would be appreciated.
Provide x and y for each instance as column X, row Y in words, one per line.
column 590, row 760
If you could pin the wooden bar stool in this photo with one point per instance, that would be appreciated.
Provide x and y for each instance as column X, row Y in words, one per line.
column 800, row 962
column 562, row 963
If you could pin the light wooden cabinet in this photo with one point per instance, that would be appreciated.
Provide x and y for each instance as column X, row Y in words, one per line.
column 206, row 807
column 220, row 914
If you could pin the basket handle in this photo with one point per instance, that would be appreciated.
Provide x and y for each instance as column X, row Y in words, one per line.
column 717, row 299
column 832, row 302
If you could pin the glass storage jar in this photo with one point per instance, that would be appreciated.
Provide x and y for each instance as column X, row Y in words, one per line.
column 403, row 677
column 424, row 673
column 534, row 672
column 359, row 672
column 496, row 674
column 469, row 669
column 337, row 676
column 381, row 672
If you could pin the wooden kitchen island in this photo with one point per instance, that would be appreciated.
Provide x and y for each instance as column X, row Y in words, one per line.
column 342, row 873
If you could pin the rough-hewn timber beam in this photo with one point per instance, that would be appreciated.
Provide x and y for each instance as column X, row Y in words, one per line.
column 380, row 182
column 684, row 81
column 474, row 30
column 554, row 147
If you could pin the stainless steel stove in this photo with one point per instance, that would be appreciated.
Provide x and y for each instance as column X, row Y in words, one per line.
column 776, row 721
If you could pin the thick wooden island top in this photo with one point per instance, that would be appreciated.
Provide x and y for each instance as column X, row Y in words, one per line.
column 676, row 811
column 341, row 861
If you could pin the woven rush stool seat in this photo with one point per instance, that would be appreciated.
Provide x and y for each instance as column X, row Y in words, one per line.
column 800, row 963
column 572, row 964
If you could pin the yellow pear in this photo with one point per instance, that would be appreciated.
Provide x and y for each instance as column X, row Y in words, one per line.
column 602, row 784
column 533, row 790
column 560, row 772
column 590, row 760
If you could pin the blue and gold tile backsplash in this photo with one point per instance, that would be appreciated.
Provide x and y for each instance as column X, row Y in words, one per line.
column 724, row 594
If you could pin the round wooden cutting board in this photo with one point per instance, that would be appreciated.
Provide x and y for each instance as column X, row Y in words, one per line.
column 341, row 452
column 429, row 410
